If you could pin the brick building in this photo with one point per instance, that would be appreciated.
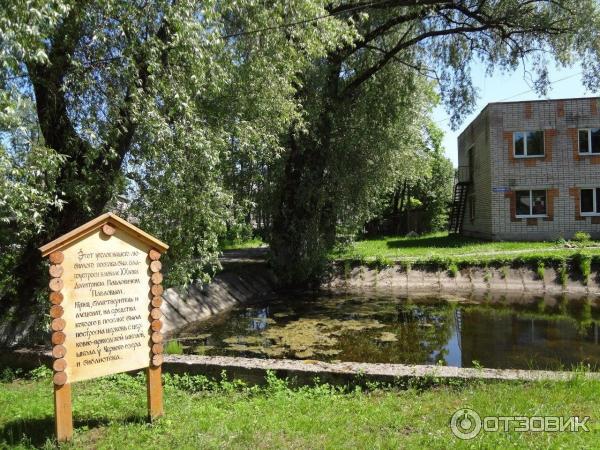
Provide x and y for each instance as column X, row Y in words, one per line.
column 530, row 171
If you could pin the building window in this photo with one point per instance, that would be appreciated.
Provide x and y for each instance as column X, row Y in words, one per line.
column 472, row 207
column 589, row 141
column 590, row 202
column 528, row 144
column 531, row 203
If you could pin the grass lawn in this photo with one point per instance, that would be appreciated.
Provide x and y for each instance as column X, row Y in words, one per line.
column 442, row 245
column 110, row 413
column 237, row 245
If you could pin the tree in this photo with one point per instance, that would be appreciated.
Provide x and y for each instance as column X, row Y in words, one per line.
column 323, row 187
column 134, row 105
column 428, row 183
column 435, row 192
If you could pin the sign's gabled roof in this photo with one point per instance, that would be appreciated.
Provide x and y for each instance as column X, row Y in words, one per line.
column 98, row 222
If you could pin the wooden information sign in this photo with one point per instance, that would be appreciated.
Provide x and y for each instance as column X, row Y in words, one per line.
column 105, row 291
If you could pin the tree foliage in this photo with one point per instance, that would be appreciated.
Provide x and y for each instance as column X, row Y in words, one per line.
column 420, row 200
column 142, row 107
column 185, row 114
column 373, row 88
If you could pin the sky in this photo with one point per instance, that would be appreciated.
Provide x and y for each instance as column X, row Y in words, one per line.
column 515, row 86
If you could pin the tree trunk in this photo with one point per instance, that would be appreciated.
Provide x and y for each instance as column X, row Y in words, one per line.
column 399, row 217
column 86, row 181
column 304, row 221
column 407, row 209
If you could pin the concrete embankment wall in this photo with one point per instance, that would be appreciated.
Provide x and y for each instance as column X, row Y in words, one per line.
column 398, row 280
column 246, row 282
column 240, row 282
column 237, row 284
column 306, row 372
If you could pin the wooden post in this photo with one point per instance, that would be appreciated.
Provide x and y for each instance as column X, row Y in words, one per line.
column 62, row 389
column 155, row 400
column 63, row 412
column 153, row 372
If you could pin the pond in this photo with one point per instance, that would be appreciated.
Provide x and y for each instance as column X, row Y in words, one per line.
column 524, row 333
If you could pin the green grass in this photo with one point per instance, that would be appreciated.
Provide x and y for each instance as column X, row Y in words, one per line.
column 238, row 245
column 453, row 247
column 110, row 413
column 450, row 251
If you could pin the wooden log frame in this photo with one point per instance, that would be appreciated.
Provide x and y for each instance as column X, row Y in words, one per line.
column 108, row 229
column 62, row 387
column 153, row 373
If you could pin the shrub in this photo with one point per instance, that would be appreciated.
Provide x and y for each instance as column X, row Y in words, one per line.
column 9, row 374
column 487, row 277
column 41, row 373
column 582, row 237
column 347, row 269
column 541, row 270
column 453, row 269
column 381, row 262
column 563, row 272
column 438, row 262
column 174, row 348
column 585, row 266
column 359, row 260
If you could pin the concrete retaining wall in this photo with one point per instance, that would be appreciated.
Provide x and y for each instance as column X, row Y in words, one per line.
column 302, row 372
column 241, row 281
column 250, row 281
column 306, row 372
column 236, row 285
column 507, row 280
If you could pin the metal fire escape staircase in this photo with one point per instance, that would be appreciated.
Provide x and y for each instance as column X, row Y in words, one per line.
column 462, row 181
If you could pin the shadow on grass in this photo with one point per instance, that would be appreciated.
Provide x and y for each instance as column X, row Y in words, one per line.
column 451, row 241
column 38, row 431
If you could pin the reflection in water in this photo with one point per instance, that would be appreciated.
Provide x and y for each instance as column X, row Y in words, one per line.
column 544, row 333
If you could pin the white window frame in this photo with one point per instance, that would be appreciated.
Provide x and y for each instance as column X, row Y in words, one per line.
column 531, row 216
column 525, row 155
column 589, row 135
column 594, row 194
